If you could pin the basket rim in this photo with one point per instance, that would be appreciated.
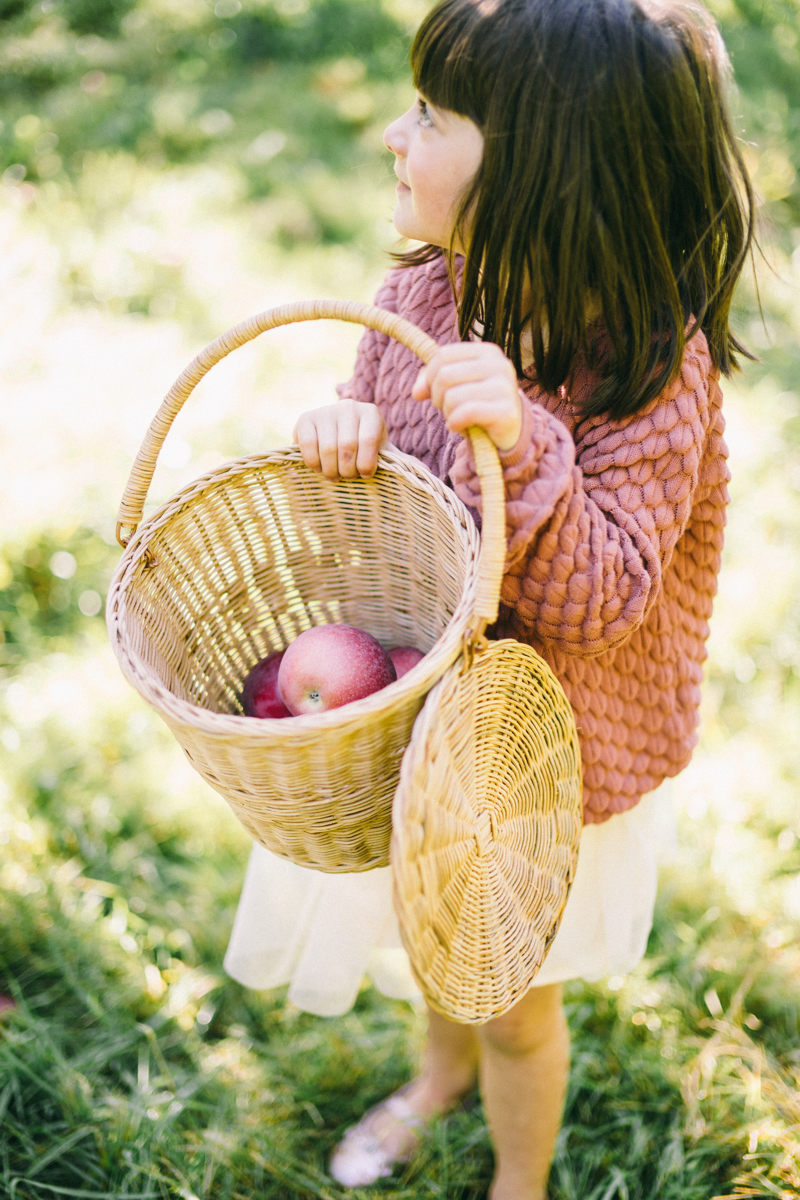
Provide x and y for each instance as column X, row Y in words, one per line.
column 416, row 682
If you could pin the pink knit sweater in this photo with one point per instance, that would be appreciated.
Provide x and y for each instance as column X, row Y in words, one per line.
column 614, row 539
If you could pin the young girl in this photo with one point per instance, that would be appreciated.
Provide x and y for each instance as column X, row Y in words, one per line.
column 584, row 212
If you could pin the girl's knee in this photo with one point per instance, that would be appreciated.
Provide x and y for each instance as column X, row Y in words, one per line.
column 536, row 1020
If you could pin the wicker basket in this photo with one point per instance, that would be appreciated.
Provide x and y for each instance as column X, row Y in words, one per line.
column 486, row 825
column 248, row 556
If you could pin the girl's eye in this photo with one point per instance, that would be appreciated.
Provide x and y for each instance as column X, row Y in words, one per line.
column 424, row 116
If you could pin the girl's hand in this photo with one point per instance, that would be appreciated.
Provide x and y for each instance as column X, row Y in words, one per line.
column 342, row 440
column 473, row 383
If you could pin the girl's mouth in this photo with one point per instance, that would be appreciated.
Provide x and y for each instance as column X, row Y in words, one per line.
column 402, row 187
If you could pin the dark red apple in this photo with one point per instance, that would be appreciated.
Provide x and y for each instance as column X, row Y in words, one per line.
column 260, row 696
column 404, row 658
column 331, row 665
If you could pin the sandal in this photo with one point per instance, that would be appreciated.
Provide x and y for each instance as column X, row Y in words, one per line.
column 361, row 1158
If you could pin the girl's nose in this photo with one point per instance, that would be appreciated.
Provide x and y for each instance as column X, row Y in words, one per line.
column 394, row 138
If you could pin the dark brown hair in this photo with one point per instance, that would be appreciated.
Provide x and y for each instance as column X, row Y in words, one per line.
column 611, row 173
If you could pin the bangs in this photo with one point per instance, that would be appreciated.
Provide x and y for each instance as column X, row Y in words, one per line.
column 449, row 59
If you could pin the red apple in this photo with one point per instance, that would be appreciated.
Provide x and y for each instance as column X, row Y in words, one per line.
column 260, row 696
column 332, row 665
column 404, row 658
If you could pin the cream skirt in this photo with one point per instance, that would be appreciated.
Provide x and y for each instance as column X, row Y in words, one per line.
column 322, row 933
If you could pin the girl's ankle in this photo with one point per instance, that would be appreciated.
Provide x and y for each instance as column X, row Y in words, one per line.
column 439, row 1097
column 538, row 1194
column 504, row 1189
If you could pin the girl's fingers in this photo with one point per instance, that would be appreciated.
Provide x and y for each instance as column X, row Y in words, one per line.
column 326, row 423
column 474, row 383
column 305, row 434
column 347, row 440
column 468, row 414
column 456, row 353
column 372, row 437
column 341, row 441
column 484, row 404
column 464, row 401
column 421, row 389
column 452, row 376
column 462, row 362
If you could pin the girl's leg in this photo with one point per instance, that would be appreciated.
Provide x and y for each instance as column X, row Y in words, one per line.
column 450, row 1069
column 524, row 1069
column 524, row 1063
column 450, row 1065
column 389, row 1132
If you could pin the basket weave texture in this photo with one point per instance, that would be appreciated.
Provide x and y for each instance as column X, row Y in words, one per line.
column 242, row 562
column 487, row 820
column 244, row 559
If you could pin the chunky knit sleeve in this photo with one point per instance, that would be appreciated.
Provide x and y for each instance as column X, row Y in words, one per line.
column 592, row 524
column 371, row 347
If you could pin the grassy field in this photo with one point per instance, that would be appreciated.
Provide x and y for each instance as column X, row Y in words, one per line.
column 169, row 167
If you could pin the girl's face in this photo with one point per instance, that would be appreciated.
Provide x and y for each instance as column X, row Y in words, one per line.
column 437, row 153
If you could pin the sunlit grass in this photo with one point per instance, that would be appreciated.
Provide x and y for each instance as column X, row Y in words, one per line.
column 133, row 1065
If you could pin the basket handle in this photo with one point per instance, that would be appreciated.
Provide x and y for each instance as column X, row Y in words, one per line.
column 493, row 538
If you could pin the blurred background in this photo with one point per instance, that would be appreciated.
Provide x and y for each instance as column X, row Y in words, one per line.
column 169, row 167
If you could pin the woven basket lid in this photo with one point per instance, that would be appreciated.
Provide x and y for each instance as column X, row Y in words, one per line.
column 486, row 823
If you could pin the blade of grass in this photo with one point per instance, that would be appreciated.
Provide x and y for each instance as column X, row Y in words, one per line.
column 83, row 1195
column 288, row 1174
column 58, row 1151
column 10, row 1057
column 5, row 1100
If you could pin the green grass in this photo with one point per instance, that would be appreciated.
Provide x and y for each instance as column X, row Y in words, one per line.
column 133, row 1067
column 156, row 184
